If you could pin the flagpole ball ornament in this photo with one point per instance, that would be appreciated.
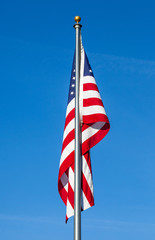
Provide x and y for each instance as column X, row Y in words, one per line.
column 77, row 19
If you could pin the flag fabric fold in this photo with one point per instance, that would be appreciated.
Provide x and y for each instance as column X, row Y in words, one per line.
column 94, row 126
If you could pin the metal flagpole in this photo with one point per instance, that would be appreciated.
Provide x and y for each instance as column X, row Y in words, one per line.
column 77, row 165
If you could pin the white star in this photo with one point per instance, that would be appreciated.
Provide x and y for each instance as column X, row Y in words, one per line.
column 73, row 85
column 72, row 93
column 90, row 70
column 73, row 78
column 74, row 70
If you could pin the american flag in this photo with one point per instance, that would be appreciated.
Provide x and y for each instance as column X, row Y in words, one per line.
column 94, row 126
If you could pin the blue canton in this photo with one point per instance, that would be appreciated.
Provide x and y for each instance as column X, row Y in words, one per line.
column 87, row 68
column 71, row 94
column 87, row 72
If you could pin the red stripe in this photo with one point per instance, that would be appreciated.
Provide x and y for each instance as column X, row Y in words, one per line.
column 87, row 191
column 68, row 139
column 62, row 191
column 69, row 117
column 70, row 195
column 95, row 118
column 92, row 141
column 85, row 126
column 87, row 158
column 91, row 102
column 69, row 160
column 72, row 167
column 90, row 86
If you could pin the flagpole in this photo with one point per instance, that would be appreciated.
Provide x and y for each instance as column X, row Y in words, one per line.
column 77, row 166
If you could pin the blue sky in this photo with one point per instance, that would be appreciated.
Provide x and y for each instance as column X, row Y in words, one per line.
column 37, row 41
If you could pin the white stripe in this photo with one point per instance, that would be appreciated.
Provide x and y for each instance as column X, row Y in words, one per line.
column 71, row 178
column 69, row 209
column 70, row 106
column 66, row 187
column 85, row 135
column 89, row 132
column 96, row 109
column 87, row 173
column 84, row 202
column 89, row 79
column 68, row 149
column 91, row 94
column 69, row 128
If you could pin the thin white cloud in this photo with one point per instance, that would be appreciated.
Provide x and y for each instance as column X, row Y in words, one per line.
column 119, row 225
column 106, row 61
column 101, row 224
column 38, row 219
column 117, row 63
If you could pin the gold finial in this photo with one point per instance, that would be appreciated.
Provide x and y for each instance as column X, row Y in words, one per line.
column 77, row 19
